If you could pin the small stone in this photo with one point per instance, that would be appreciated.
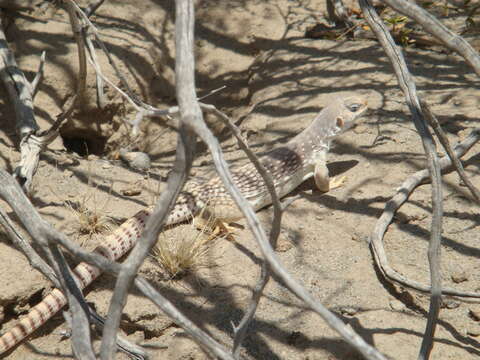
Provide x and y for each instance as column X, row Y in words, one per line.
column 459, row 276
column 473, row 330
column 136, row 159
column 107, row 165
column 397, row 305
column 132, row 189
column 474, row 314
column 356, row 237
column 283, row 244
column 348, row 310
column 131, row 192
column 450, row 304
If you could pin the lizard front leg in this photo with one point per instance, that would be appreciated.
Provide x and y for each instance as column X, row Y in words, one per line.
column 322, row 178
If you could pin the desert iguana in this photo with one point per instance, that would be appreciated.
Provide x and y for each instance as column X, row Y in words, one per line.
column 289, row 165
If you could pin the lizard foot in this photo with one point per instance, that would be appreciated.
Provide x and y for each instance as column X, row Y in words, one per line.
column 337, row 182
column 226, row 230
column 214, row 227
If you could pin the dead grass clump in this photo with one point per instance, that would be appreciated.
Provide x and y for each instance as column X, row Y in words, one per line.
column 184, row 251
column 89, row 222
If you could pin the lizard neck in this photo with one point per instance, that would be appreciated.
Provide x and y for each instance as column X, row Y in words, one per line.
column 313, row 142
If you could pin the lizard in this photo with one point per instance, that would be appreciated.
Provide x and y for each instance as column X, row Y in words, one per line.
column 301, row 158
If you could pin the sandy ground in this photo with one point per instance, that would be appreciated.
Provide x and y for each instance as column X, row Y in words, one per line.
column 277, row 80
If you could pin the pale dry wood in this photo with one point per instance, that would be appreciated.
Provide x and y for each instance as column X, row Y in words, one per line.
column 39, row 229
column 434, row 123
column 240, row 331
column 408, row 87
column 401, row 196
column 435, row 28
column 190, row 114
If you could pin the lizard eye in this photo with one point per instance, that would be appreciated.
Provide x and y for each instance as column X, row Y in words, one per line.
column 354, row 107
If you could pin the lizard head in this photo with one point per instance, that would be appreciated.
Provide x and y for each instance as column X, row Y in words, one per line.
column 348, row 109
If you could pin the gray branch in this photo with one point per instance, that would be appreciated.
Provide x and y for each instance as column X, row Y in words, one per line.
column 437, row 128
column 402, row 195
column 240, row 331
column 408, row 87
column 435, row 28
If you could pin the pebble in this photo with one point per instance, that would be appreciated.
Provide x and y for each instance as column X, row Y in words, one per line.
column 348, row 310
column 131, row 191
column 474, row 314
column 136, row 159
column 283, row 244
column 450, row 304
column 473, row 330
column 459, row 276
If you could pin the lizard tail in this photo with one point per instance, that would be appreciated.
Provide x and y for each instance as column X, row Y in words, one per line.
column 115, row 246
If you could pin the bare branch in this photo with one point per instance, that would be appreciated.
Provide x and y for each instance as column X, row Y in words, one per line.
column 241, row 330
column 448, row 149
column 190, row 113
column 20, row 243
column 90, row 10
column 78, row 308
column 409, row 89
column 132, row 350
column 402, row 195
column 434, row 27
column 71, row 7
column 38, row 77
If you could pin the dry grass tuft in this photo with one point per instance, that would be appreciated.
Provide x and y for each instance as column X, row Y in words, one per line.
column 186, row 251
column 91, row 218
column 89, row 222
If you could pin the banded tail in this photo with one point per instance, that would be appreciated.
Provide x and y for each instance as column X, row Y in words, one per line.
column 115, row 246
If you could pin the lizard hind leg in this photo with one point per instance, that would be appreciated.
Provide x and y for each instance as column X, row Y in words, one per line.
column 216, row 216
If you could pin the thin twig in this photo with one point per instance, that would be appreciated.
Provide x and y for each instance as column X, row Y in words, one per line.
column 101, row 100
column 132, row 350
column 70, row 6
column 20, row 243
column 34, row 85
column 401, row 196
column 189, row 113
column 442, row 137
column 240, row 331
column 90, row 10
column 39, row 230
column 435, row 28
column 408, row 87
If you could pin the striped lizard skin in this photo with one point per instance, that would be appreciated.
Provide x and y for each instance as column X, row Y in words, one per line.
column 289, row 165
